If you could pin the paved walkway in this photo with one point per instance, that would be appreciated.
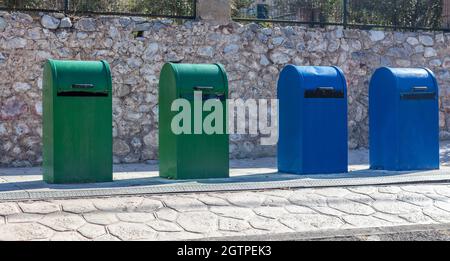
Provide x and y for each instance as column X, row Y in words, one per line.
column 203, row 215
column 220, row 214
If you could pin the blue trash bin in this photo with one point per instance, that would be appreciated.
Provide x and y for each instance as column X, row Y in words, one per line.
column 312, row 120
column 404, row 119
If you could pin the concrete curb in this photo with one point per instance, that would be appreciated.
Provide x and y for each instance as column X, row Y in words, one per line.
column 246, row 183
column 343, row 234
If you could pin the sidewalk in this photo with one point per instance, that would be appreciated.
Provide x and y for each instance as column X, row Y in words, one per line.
column 204, row 215
column 213, row 214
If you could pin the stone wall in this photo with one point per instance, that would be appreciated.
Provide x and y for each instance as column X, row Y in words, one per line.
column 252, row 55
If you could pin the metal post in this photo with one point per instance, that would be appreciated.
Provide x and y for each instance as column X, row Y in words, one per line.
column 395, row 22
column 345, row 18
column 195, row 9
column 66, row 6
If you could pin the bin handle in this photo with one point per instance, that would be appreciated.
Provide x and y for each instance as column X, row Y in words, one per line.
column 328, row 88
column 420, row 88
column 203, row 88
column 83, row 86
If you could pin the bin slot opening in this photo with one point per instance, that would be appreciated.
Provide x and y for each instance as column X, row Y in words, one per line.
column 205, row 96
column 418, row 96
column 83, row 94
column 325, row 88
column 324, row 92
column 83, row 86
column 420, row 88
column 203, row 88
column 213, row 96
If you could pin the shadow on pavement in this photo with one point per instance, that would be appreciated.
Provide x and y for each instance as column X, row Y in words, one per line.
column 156, row 181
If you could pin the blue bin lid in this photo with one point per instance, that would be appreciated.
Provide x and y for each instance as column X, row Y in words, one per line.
column 313, row 77
column 404, row 79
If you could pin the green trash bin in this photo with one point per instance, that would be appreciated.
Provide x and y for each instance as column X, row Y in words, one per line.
column 192, row 156
column 77, row 122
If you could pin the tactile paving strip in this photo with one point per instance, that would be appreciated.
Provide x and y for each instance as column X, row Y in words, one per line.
column 275, row 181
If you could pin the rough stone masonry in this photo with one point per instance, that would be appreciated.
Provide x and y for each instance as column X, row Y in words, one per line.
column 136, row 49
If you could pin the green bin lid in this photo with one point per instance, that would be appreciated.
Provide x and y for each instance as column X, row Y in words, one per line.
column 81, row 76
column 210, row 78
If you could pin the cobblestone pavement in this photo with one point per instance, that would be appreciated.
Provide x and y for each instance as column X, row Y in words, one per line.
column 203, row 215
column 225, row 214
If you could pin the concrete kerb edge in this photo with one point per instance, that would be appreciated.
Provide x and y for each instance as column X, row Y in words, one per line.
column 334, row 233
column 188, row 189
